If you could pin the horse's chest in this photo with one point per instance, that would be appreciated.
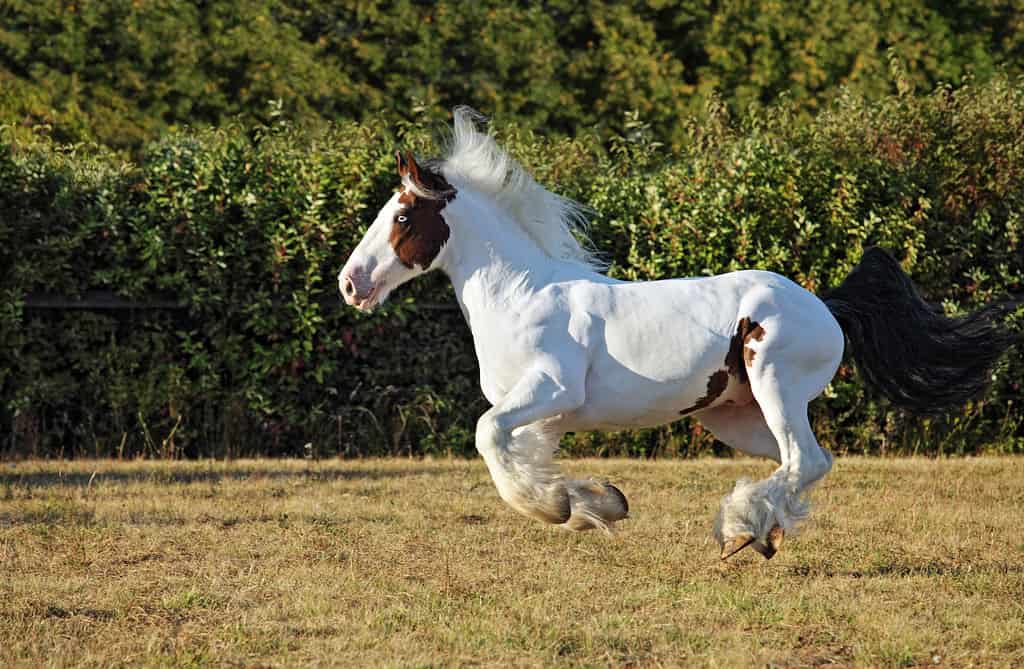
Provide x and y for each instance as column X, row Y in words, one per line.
column 504, row 354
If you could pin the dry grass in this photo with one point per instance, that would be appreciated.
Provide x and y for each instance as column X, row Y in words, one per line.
column 413, row 563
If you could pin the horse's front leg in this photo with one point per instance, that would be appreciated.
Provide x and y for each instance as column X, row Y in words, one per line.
column 518, row 444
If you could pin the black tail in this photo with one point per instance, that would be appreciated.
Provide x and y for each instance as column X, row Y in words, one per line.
column 920, row 359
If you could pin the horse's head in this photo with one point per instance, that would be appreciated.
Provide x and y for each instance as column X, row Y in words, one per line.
column 406, row 239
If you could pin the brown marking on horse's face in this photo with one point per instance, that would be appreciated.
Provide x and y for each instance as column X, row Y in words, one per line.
column 741, row 356
column 717, row 384
column 419, row 231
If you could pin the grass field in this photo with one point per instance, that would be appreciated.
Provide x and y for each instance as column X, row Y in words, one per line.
column 417, row 563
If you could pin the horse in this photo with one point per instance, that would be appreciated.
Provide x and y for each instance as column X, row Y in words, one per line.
column 562, row 347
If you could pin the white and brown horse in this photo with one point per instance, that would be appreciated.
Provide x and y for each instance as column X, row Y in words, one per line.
column 564, row 348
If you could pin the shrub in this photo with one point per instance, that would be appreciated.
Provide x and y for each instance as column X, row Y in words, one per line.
column 246, row 228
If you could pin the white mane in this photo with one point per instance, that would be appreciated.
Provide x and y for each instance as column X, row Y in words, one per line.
column 551, row 220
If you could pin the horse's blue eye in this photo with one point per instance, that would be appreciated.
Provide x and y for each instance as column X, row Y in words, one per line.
column 402, row 219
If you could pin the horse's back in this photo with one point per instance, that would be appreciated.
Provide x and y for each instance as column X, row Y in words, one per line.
column 687, row 307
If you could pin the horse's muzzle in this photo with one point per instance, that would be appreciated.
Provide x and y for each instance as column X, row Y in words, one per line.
column 357, row 288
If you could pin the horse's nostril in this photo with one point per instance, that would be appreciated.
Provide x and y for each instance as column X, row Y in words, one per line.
column 350, row 288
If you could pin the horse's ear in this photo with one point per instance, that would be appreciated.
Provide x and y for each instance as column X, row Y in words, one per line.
column 414, row 169
column 407, row 167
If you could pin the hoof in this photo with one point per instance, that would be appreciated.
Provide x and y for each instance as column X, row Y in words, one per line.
column 772, row 544
column 550, row 504
column 555, row 507
column 765, row 550
column 623, row 502
column 735, row 545
column 595, row 506
column 757, row 513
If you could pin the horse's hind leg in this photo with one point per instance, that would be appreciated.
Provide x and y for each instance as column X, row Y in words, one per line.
column 783, row 379
column 742, row 428
column 760, row 513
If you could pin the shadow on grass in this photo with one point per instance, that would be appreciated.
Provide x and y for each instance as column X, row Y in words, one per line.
column 52, row 611
column 175, row 476
column 908, row 569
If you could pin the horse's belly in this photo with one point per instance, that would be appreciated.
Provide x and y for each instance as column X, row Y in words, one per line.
column 617, row 418
column 622, row 403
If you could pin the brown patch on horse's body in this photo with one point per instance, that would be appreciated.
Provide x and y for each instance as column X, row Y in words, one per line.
column 717, row 384
column 741, row 356
column 737, row 359
column 423, row 233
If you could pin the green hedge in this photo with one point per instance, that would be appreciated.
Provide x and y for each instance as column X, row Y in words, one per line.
column 122, row 71
column 247, row 227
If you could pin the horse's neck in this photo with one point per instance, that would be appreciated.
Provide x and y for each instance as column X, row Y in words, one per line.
column 492, row 262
